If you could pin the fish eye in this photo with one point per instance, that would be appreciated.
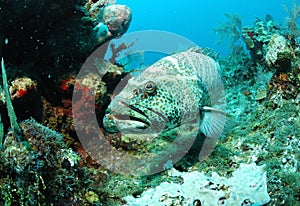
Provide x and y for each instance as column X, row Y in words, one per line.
column 150, row 87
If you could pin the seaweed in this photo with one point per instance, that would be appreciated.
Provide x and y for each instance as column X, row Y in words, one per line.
column 1, row 132
column 11, row 113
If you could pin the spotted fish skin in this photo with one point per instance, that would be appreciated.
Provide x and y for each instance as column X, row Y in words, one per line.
column 178, row 89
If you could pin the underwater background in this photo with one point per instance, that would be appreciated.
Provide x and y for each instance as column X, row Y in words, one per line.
column 66, row 63
column 196, row 20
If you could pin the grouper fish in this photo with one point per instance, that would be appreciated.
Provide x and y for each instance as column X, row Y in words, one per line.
column 183, row 88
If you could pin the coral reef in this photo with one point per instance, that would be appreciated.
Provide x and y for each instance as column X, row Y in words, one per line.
column 21, row 87
column 248, row 185
column 39, row 166
column 117, row 18
column 26, row 99
column 269, row 102
column 275, row 48
column 272, row 139
column 60, row 35
column 92, row 86
column 270, row 43
column 257, row 37
column 237, row 66
column 45, row 43
column 36, row 165
column 42, row 169
column 283, row 56
column 284, row 86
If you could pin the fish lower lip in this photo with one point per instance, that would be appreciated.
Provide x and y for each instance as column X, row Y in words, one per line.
column 134, row 109
column 145, row 121
column 142, row 113
column 130, row 118
column 121, row 116
column 139, row 120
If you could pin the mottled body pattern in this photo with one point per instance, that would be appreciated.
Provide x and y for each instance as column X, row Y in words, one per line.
column 178, row 89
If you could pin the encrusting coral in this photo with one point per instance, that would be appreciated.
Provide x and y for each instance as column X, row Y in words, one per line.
column 247, row 184
column 279, row 53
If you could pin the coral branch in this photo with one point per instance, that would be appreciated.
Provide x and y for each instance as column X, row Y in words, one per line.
column 116, row 50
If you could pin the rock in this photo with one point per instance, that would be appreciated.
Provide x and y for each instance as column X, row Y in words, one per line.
column 261, row 93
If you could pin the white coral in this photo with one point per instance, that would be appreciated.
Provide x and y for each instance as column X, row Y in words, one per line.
column 71, row 156
column 278, row 44
column 247, row 184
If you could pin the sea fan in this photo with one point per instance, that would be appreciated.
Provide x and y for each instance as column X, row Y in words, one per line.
column 292, row 18
column 231, row 29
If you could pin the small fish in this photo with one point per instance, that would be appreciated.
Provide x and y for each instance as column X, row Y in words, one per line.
column 182, row 88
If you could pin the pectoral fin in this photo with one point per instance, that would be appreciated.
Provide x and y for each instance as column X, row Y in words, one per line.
column 213, row 122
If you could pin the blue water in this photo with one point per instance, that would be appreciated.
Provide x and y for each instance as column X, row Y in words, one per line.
column 195, row 19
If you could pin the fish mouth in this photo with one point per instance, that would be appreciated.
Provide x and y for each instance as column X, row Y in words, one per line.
column 141, row 117
column 125, row 117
